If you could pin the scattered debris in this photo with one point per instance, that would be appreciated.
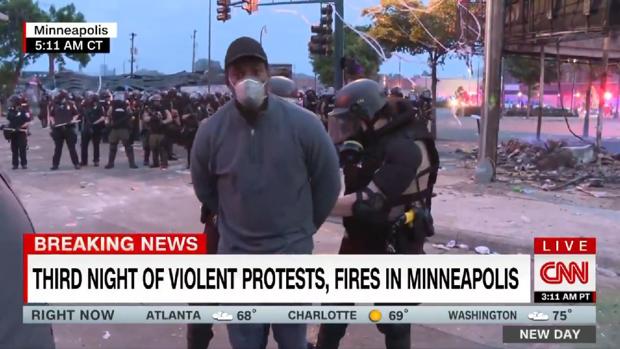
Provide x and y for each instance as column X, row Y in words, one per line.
column 451, row 244
column 441, row 247
column 598, row 194
column 595, row 183
column 583, row 154
column 463, row 246
column 482, row 250
column 551, row 165
column 572, row 181
column 106, row 335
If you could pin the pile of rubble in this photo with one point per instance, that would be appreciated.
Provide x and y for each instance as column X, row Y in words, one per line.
column 553, row 165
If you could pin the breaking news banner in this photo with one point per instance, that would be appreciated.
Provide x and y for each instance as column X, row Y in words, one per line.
column 67, row 37
column 172, row 269
column 564, row 270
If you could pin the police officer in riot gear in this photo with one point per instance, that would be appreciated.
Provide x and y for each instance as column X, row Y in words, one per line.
column 63, row 118
column 390, row 163
column 19, row 119
column 193, row 113
column 326, row 104
column 44, row 103
column 157, row 117
column 93, row 123
column 120, row 123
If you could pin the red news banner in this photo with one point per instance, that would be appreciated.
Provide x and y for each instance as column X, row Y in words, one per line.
column 144, row 243
column 110, row 244
column 564, row 270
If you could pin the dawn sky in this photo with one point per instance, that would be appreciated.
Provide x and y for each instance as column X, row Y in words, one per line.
column 164, row 29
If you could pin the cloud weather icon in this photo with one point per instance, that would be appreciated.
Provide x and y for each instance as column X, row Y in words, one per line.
column 220, row 316
column 536, row 316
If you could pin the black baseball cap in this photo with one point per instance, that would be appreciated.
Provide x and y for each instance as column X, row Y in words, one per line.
column 244, row 47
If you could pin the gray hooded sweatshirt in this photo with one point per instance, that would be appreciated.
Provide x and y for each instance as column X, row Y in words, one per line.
column 273, row 182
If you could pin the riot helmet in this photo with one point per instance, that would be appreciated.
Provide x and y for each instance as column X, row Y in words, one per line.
column 15, row 101
column 284, row 87
column 397, row 92
column 356, row 109
column 155, row 100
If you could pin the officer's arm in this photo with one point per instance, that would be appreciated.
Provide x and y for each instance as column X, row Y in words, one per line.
column 74, row 111
column 28, row 120
column 167, row 117
column 399, row 170
column 102, row 117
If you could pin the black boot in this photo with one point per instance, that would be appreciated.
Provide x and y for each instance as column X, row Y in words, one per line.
column 130, row 156
column 111, row 156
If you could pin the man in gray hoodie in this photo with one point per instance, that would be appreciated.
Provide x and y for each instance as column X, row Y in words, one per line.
column 269, row 171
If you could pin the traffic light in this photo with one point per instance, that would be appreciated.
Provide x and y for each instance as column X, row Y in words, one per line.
column 250, row 6
column 321, row 41
column 223, row 10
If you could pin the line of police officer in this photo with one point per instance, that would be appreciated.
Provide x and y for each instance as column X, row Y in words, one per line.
column 158, row 119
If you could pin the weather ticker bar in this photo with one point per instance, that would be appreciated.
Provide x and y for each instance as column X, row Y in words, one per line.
column 152, row 314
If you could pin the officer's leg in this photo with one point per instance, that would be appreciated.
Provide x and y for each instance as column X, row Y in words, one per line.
column 330, row 335
column 189, row 154
column 96, row 138
column 58, row 141
column 199, row 335
column 23, row 145
column 397, row 336
column 129, row 151
column 146, row 147
column 14, row 150
column 86, row 137
column 170, row 151
column 290, row 335
column 71, row 136
column 112, row 155
column 248, row 336
column 154, row 145
column 163, row 151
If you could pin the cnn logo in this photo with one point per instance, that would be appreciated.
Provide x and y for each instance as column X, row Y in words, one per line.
column 555, row 272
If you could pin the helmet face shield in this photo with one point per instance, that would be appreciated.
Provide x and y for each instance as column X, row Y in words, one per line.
column 342, row 127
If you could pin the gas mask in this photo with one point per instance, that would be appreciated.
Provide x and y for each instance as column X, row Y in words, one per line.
column 250, row 93
column 350, row 153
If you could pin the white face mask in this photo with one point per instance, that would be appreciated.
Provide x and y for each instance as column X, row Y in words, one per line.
column 250, row 93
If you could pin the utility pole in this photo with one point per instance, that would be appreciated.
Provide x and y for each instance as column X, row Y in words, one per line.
column 194, row 51
column 494, row 36
column 586, row 119
column 601, row 99
column 572, row 95
column 339, row 44
column 400, row 81
column 541, row 90
column 133, row 35
column 263, row 30
column 209, row 55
